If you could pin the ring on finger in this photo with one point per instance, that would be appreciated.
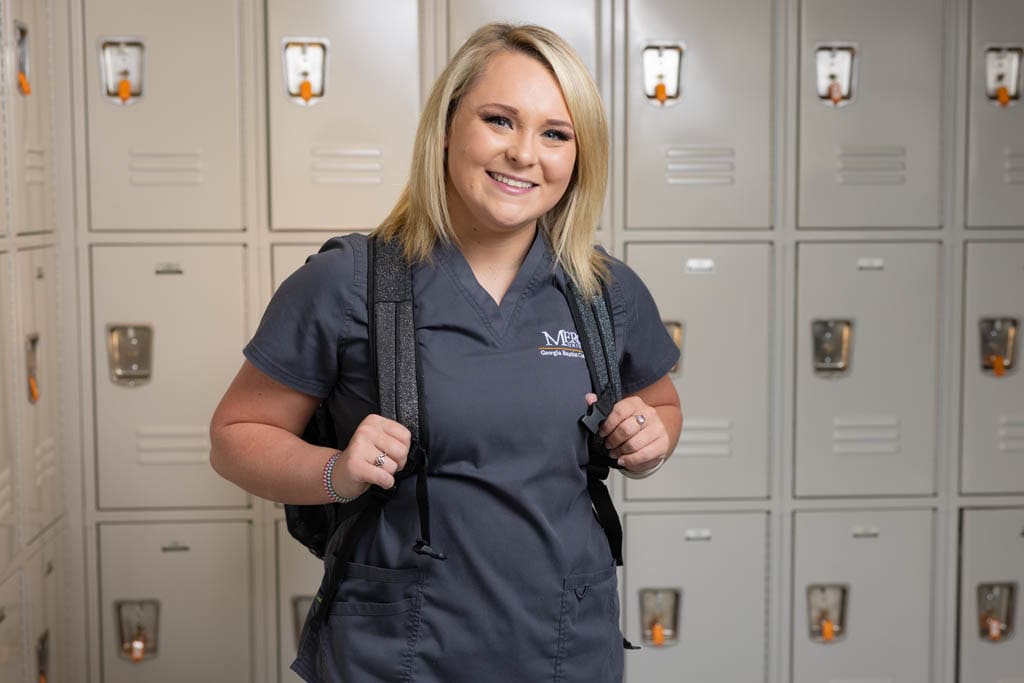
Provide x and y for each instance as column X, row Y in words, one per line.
column 379, row 460
column 640, row 419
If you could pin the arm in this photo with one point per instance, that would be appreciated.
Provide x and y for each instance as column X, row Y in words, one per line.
column 255, row 443
column 641, row 444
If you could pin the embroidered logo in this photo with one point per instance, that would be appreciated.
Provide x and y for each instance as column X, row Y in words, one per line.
column 565, row 344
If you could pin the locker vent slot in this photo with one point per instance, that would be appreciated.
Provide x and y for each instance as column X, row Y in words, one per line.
column 172, row 445
column 700, row 165
column 1011, row 433
column 705, row 437
column 855, row 435
column 864, row 165
column 347, row 166
column 165, row 168
column 46, row 460
column 35, row 166
column 1014, row 165
column 6, row 494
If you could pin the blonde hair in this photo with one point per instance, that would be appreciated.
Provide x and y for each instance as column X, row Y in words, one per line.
column 420, row 217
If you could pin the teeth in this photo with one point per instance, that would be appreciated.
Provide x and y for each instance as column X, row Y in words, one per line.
column 511, row 182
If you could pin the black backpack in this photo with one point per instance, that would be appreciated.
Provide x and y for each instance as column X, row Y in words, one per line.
column 332, row 529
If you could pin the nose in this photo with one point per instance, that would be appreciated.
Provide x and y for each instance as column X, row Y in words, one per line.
column 520, row 150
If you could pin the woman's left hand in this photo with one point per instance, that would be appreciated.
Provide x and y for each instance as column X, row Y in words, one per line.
column 634, row 434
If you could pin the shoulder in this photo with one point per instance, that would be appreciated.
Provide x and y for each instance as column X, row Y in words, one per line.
column 342, row 257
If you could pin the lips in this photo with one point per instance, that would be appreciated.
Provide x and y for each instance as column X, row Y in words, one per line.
column 510, row 181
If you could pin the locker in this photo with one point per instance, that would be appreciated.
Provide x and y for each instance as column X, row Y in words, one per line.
column 39, row 396
column 169, row 326
column 175, row 602
column 343, row 83
column 867, row 359
column 578, row 21
column 870, row 114
column 31, row 117
column 699, row 114
column 995, row 163
column 695, row 597
column 298, row 578
column 8, row 436
column 991, row 578
column 717, row 300
column 287, row 258
column 862, row 594
column 12, row 656
column 164, row 102
column 993, row 393
column 44, row 609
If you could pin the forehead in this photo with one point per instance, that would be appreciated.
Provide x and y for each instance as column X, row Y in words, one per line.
column 519, row 80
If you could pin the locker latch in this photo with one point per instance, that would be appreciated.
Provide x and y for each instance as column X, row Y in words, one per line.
column 300, row 608
column 43, row 657
column 833, row 341
column 130, row 350
column 121, row 61
column 1003, row 74
column 24, row 54
column 305, row 69
column 675, row 331
column 835, row 74
column 996, row 605
column 32, row 366
column 998, row 344
column 826, row 612
column 663, row 72
column 659, row 615
column 137, row 624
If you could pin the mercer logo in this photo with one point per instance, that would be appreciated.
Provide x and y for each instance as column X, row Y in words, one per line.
column 565, row 344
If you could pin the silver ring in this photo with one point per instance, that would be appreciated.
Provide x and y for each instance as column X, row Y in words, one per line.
column 640, row 419
column 379, row 460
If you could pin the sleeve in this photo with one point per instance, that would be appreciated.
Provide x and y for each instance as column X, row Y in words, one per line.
column 646, row 351
column 302, row 333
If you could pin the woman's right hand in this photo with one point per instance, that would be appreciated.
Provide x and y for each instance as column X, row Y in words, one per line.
column 356, row 469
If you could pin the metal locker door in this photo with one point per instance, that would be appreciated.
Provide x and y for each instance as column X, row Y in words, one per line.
column 575, row 20
column 995, row 165
column 716, row 300
column 43, row 608
column 40, row 464
column 343, row 83
column 169, row 326
column 699, row 114
column 991, row 578
column 695, row 597
column 31, row 117
column 164, row 117
column 12, row 654
column 175, row 602
column 993, row 394
column 8, row 435
column 862, row 592
column 867, row 359
column 287, row 258
column 298, row 578
column 875, row 163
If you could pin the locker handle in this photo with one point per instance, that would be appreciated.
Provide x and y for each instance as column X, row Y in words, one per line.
column 175, row 547
column 828, row 630
column 995, row 630
column 657, row 635
column 32, row 367
column 124, row 89
column 49, row 569
column 866, row 532
column 23, row 84
column 3, row 615
column 306, row 90
column 1003, row 96
column 675, row 331
column 835, row 92
column 998, row 364
column 660, row 93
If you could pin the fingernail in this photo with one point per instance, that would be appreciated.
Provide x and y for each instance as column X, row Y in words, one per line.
column 619, row 461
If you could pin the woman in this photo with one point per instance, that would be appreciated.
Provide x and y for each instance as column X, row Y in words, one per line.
column 507, row 183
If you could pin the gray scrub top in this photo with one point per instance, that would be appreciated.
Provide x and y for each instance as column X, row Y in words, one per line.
column 528, row 592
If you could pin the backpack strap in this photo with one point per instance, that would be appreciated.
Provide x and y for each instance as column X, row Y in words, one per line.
column 594, row 323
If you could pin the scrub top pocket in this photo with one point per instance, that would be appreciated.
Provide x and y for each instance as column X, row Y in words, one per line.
column 372, row 626
column 589, row 638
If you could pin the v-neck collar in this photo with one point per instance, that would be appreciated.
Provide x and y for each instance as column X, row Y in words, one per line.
column 497, row 317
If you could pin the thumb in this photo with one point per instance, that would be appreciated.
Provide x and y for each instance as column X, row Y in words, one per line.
column 590, row 398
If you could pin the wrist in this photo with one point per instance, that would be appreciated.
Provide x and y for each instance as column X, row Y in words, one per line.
column 645, row 473
column 328, row 481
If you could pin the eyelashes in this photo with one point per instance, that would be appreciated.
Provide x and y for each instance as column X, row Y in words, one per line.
column 506, row 122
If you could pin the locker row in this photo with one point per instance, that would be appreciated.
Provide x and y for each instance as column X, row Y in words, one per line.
column 31, row 609
column 867, row 366
column 694, row 595
column 699, row 91
column 30, row 461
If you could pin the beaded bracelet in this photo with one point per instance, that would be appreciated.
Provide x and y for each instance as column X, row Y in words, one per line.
column 329, row 483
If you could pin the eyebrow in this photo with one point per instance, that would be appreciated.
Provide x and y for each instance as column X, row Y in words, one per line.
column 515, row 112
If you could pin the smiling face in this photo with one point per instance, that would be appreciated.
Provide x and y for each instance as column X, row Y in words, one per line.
column 511, row 149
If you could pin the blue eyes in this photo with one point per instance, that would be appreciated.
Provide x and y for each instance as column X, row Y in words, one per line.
column 505, row 122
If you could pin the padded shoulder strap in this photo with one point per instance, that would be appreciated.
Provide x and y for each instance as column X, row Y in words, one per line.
column 594, row 323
